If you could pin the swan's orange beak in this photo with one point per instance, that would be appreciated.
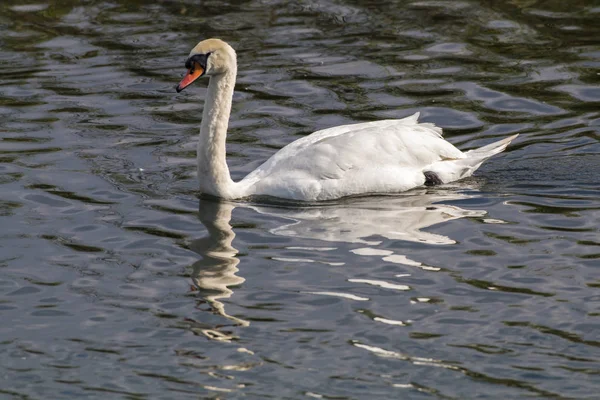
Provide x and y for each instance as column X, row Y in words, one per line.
column 193, row 73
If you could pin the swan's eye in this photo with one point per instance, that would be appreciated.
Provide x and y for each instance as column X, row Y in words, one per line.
column 192, row 70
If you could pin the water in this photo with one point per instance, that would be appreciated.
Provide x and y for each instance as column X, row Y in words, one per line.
column 116, row 281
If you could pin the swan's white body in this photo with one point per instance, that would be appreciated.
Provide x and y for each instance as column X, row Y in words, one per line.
column 387, row 156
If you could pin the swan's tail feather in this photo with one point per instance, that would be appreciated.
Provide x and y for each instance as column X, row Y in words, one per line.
column 452, row 170
column 476, row 157
column 491, row 149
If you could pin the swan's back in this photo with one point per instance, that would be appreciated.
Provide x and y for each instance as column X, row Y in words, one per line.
column 355, row 141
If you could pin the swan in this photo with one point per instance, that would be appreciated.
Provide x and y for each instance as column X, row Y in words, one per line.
column 378, row 157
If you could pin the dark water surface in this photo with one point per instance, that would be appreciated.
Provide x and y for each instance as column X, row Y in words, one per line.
column 117, row 282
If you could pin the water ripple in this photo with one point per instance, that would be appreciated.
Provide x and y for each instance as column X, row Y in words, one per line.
column 117, row 282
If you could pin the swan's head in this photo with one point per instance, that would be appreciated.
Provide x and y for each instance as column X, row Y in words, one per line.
column 209, row 57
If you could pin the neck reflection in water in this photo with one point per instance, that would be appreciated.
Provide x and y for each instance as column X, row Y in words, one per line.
column 215, row 273
column 358, row 220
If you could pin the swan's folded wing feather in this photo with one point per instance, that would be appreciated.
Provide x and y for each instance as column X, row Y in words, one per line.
column 330, row 153
column 372, row 149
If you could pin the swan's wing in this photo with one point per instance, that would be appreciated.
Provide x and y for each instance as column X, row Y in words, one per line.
column 331, row 153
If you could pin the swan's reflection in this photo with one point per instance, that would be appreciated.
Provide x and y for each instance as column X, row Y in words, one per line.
column 400, row 217
column 215, row 273
column 354, row 220
column 361, row 220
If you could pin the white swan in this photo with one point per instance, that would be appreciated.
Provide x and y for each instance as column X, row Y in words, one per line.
column 387, row 156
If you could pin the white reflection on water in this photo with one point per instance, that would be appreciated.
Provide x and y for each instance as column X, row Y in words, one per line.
column 361, row 220
column 355, row 221
column 215, row 273
column 401, row 356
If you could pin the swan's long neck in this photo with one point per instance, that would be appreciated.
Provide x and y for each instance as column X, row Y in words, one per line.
column 213, row 172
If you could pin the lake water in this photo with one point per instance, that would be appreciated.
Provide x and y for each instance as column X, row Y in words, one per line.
column 116, row 281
